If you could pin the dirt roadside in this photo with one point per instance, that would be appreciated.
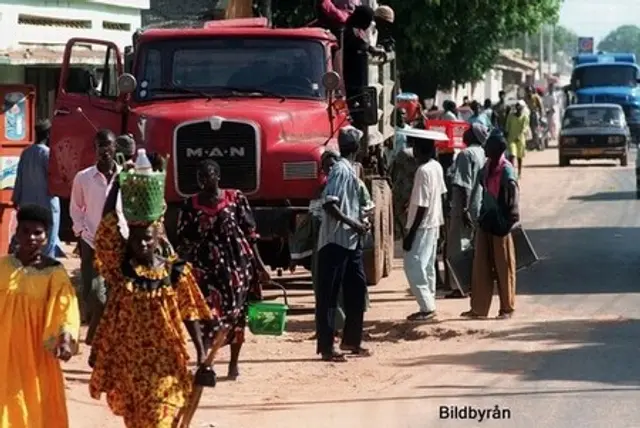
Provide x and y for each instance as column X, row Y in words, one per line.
column 282, row 375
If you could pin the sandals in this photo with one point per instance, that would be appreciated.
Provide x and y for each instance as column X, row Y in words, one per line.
column 422, row 316
column 471, row 315
column 504, row 315
column 357, row 351
column 334, row 357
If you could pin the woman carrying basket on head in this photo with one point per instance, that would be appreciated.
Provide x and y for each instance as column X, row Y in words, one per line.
column 217, row 234
column 140, row 355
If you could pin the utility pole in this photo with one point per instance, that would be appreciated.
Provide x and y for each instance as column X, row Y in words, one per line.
column 541, row 53
column 551, row 49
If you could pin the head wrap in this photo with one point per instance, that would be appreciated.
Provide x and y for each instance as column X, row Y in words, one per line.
column 480, row 132
column 385, row 13
column 349, row 138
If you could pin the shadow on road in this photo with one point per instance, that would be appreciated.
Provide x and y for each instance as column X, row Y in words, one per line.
column 573, row 165
column 591, row 351
column 605, row 197
column 583, row 261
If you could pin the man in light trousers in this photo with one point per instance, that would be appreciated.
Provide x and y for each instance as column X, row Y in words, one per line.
column 424, row 219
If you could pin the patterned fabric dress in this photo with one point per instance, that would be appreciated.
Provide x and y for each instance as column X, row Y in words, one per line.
column 217, row 241
column 140, row 343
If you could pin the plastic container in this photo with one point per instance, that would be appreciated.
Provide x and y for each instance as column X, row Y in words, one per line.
column 268, row 318
column 143, row 164
column 411, row 103
column 142, row 191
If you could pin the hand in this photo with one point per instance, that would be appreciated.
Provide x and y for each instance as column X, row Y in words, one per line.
column 128, row 165
column 407, row 242
column 263, row 275
column 64, row 350
column 359, row 227
column 157, row 161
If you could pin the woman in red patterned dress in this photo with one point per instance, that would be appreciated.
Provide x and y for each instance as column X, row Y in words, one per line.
column 217, row 234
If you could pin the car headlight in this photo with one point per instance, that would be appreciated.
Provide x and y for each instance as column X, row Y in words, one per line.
column 568, row 140
column 616, row 139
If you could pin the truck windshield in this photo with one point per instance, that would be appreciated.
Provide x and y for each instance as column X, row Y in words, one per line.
column 266, row 67
column 593, row 116
column 605, row 75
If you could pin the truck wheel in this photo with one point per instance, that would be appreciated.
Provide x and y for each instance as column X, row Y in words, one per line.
column 374, row 257
column 389, row 242
column 624, row 161
column 564, row 161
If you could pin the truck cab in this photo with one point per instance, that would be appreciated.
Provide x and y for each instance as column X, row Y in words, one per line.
column 609, row 78
column 263, row 102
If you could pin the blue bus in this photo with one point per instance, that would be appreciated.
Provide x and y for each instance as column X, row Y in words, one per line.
column 609, row 78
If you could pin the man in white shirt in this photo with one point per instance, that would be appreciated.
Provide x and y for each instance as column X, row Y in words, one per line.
column 424, row 220
column 88, row 195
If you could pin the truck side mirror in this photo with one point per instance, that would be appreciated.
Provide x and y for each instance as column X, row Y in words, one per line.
column 126, row 83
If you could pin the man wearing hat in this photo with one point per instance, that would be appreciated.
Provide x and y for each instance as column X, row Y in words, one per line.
column 466, row 170
column 31, row 186
column 384, row 19
column 425, row 217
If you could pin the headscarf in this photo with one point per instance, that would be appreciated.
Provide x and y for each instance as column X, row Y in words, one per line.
column 385, row 13
column 349, row 138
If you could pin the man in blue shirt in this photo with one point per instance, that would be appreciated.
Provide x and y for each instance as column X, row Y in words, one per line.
column 32, row 187
column 478, row 116
column 340, row 261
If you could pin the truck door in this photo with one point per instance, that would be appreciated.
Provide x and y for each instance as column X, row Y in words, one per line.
column 87, row 101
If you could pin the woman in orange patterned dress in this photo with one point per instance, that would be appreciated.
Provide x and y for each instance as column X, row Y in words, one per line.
column 140, row 355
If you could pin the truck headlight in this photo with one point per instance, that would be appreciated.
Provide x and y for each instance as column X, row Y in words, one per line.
column 568, row 140
column 307, row 170
column 616, row 139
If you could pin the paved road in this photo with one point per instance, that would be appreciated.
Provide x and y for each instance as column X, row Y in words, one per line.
column 570, row 359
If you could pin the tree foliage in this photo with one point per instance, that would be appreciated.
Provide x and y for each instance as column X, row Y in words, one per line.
column 439, row 43
column 564, row 40
column 623, row 39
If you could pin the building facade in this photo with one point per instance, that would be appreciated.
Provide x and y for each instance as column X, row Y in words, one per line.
column 33, row 35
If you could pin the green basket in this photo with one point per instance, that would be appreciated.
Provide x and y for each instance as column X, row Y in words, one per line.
column 268, row 318
column 142, row 196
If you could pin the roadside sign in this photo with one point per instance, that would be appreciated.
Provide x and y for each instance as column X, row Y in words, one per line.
column 585, row 45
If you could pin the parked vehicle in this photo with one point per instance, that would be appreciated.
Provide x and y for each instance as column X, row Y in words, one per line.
column 594, row 131
column 264, row 102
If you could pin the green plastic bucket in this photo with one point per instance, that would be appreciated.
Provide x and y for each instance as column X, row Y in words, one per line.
column 268, row 318
column 142, row 196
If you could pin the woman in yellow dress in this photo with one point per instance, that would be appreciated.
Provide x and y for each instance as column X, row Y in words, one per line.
column 39, row 325
column 139, row 351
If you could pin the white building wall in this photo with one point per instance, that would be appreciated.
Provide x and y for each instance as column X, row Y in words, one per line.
column 13, row 34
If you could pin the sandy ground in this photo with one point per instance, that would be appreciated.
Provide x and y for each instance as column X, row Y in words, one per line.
column 283, row 384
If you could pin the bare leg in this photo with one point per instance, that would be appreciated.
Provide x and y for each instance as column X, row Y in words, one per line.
column 233, row 362
column 519, row 167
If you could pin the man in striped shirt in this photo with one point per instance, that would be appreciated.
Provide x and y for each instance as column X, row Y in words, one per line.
column 340, row 261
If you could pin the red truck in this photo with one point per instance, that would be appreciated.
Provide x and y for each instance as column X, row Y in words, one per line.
column 263, row 102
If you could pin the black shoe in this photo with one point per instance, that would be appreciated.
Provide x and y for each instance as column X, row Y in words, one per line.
column 422, row 316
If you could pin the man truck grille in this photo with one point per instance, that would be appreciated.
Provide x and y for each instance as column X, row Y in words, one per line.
column 233, row 146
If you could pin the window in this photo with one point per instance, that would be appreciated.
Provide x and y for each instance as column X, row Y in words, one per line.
column 288, row 67
column 593, row 116
column 98, row 74
column 605, row 75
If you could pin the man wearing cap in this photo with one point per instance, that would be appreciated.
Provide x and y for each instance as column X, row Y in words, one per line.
column 340, row 261
column 516, row 133
column 384, row 19
column 32, row 186
column 425, row 217
column 465, row 208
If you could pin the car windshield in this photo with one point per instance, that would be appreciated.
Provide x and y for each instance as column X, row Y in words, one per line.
column 596, row 116
column 270, row 67
column 605, row 75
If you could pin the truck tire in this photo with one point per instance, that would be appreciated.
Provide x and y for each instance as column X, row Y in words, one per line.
column 389, row 241
column 374, row 257
column 624, row 161
column 564, row 161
